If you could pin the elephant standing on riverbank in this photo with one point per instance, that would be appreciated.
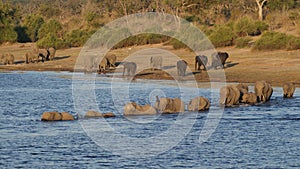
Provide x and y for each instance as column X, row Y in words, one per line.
column 181, row 67
column 219, row 59
column 111, row 60
column 263, row 91
column 200, row 60
column 156, row 62
column 288, row 90
column 130, row 68
column 31, row 57
column 51, row 53
column 7, row 59
column 102, row 66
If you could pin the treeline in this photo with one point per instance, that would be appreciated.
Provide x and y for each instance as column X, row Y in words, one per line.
column 69, row 23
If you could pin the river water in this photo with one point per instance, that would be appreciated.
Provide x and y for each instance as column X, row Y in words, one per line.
column 261, row 136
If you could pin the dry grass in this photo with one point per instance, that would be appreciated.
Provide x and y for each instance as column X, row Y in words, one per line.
column 243, row 65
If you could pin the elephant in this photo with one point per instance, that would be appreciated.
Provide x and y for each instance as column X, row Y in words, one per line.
column 31, row 57
column 200, row 60
column 181, row 67
column 43, row 53
column 219, row 59
column 130, row 68
column 132, row 108
column 51, row 53
column 169, row 105
column 95, row 114
column 249, row 98
column 56, row 116
column 156, row 62
column 102, row 66
column 90, row 64
column 263, row 91
column 199, row 104
column 288, row 90
column 7, row 59
column 229, row 95
column 243, row 88
column 111, row 60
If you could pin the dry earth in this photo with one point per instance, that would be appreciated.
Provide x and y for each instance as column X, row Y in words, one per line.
column 243, row 65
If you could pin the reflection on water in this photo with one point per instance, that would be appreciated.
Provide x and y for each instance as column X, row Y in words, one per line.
column 265, row 135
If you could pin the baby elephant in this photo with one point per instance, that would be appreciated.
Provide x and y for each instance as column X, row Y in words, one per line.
column 133, row 108
column 199, row 104
column 288, row 90
column 249, row 98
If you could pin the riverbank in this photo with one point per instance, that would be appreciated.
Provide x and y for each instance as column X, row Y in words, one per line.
column 243, row 65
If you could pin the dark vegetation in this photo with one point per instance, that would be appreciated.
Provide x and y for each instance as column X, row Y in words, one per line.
column 70, row 23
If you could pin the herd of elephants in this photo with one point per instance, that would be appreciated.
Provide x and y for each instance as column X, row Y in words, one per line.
column 33, row 56
column 230, row 95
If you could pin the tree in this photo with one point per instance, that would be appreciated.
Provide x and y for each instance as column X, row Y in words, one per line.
column 32, row 24
column 260, row 4
column 53, row 26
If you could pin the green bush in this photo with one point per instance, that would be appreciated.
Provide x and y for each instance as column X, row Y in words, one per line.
column 242, row 42
column 176, row 44
column 222, row 36
column 78, row 37
column 246, row 26
column 142, row 39
column 50, row 40
column 293, row 43
column 8, row 34
column 32, row 24
column 276, row 40
column 53, row 27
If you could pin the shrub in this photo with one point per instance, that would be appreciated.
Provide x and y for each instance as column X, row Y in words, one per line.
column 293, row 43
column 54, row 27
column 242, row 42
column 275, row 40
column 32, row 24
column 50, row 40
column 142, row 39
column 222, row 36
column 176, row 44
column 246, row 26
column 8, row 34
column 78, row 37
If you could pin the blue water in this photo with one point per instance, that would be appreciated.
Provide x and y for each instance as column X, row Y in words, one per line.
column 261, row 136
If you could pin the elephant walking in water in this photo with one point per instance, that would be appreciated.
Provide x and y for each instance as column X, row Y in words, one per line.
column 229, row 95
column 181, row 67
column 263, row 91
column 200, row 60
column 130, row 68
column 156, row 62
column 288, row 90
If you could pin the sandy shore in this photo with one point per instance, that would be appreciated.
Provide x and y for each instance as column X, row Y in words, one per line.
column 243, row 65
